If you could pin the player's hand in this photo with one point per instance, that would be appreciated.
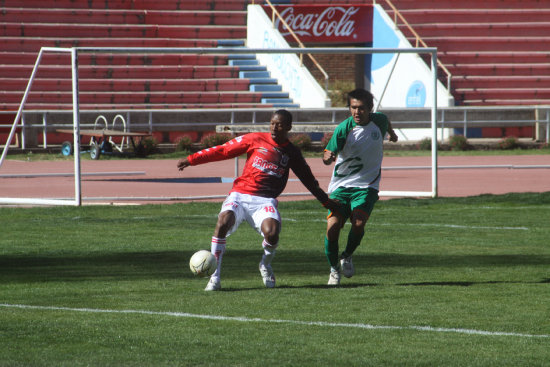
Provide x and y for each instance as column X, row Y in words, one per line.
column 328, row 157
column 182, row 163
column 332, row 205
column 393, row 136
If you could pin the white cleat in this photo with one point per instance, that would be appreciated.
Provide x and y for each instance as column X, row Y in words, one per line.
column 214, row 284
column 347, row 267
column 334, row 278
column 267, row 276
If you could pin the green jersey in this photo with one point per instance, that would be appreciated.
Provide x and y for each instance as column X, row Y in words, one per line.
column 360, row 152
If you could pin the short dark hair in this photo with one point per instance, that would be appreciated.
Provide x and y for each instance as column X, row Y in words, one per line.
column 287, row 116
column 362, row 95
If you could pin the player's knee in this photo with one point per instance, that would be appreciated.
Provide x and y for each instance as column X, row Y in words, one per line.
column 226, row 220
column 270, row 230
column 334, row 225
column 358, row 220
column 272, row 238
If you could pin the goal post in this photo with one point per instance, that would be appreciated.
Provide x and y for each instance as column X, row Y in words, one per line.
column 77, row 201
column 76, row 51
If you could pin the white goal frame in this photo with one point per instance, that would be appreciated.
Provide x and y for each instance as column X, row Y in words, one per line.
column 75, row 51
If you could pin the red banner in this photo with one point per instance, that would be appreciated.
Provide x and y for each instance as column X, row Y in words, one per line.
column 325, row 23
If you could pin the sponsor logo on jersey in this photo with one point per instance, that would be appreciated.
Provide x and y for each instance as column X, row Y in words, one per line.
column 268, row 167
column 348, row 167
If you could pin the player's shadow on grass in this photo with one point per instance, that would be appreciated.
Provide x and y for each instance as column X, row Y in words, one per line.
column 242, row 264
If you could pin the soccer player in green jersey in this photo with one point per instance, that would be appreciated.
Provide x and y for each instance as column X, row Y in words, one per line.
column 357, row 148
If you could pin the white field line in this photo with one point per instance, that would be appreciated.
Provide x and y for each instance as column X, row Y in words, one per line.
column 278, row 321
column 455, row 226
column 376, row 224
column 422, row 225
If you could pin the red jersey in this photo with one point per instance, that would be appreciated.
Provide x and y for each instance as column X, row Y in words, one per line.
column 267, row 165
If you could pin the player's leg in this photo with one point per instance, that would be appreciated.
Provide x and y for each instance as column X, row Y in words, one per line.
column 229, row 219
column 362, row 205
column 335, row 221
column 270, row 230
column 331, row 248
column 267, row 220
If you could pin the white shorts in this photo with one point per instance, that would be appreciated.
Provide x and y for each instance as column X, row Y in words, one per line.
column 253, row 209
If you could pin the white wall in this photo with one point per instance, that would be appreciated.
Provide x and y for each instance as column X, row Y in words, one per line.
column 294, row 78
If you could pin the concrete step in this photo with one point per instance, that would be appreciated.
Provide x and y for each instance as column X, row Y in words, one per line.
column 512, row 81
column 265, row 88
column 132, row 106
column 505, row 44
column 130, row 85
column 105, row 16
column 468, row 4
column 125, row 4
column 494, row 57
column 122, row 72
column 245, row 62
column 118, row 59
column 108, row 31
column 474, row 15
column 142, row 98
column 34, row 44
column 503, row 70
column 254, row 74
column 500, row 29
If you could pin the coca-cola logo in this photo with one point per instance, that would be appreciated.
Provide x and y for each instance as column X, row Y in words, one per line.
column 333, row 21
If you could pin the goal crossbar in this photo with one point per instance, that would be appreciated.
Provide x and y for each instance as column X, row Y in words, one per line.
column 75, row 51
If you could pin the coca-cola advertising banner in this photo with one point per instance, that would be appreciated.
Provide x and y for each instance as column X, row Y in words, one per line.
column 325, row 23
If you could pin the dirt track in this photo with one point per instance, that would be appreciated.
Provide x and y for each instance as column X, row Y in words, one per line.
column 104, row 180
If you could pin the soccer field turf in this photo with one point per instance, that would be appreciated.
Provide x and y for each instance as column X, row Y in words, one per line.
column 439, row 282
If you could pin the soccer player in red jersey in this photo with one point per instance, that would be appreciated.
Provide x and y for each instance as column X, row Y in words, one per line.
column 253, row 197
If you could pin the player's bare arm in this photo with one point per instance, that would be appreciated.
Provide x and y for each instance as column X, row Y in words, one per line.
column 182, row 163
column 328, row 157
column 393, row 136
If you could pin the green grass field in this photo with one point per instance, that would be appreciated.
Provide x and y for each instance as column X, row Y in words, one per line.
column 439, row 282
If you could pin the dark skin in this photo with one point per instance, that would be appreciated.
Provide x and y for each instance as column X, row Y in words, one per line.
column 360, row 112
column 270, row 227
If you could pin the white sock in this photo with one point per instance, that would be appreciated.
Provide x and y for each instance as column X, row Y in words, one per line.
column 217, row 247
column 269, row 253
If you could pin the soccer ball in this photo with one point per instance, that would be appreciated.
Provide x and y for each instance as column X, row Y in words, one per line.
column 203, row 263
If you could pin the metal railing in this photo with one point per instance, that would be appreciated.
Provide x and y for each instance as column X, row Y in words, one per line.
column 324, row 120
column 275, row 13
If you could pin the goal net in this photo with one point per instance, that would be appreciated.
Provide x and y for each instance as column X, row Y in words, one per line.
column 76, row 197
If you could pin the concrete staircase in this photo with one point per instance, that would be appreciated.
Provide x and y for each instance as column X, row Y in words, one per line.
column 111, row 81
column 498, row 51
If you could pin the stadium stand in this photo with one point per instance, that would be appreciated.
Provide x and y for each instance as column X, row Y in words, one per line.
column 498, row 51
column 127, row 81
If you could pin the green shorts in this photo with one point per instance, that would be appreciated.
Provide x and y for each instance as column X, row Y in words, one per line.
column 355, row 198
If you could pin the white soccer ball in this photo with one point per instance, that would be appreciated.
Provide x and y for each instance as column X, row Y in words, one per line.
column 203, row 263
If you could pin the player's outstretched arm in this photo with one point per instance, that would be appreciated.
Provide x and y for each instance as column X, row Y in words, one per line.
column 182, row 163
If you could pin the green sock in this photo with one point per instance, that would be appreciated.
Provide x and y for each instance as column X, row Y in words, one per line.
column 331, row 251
column 354, row 240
